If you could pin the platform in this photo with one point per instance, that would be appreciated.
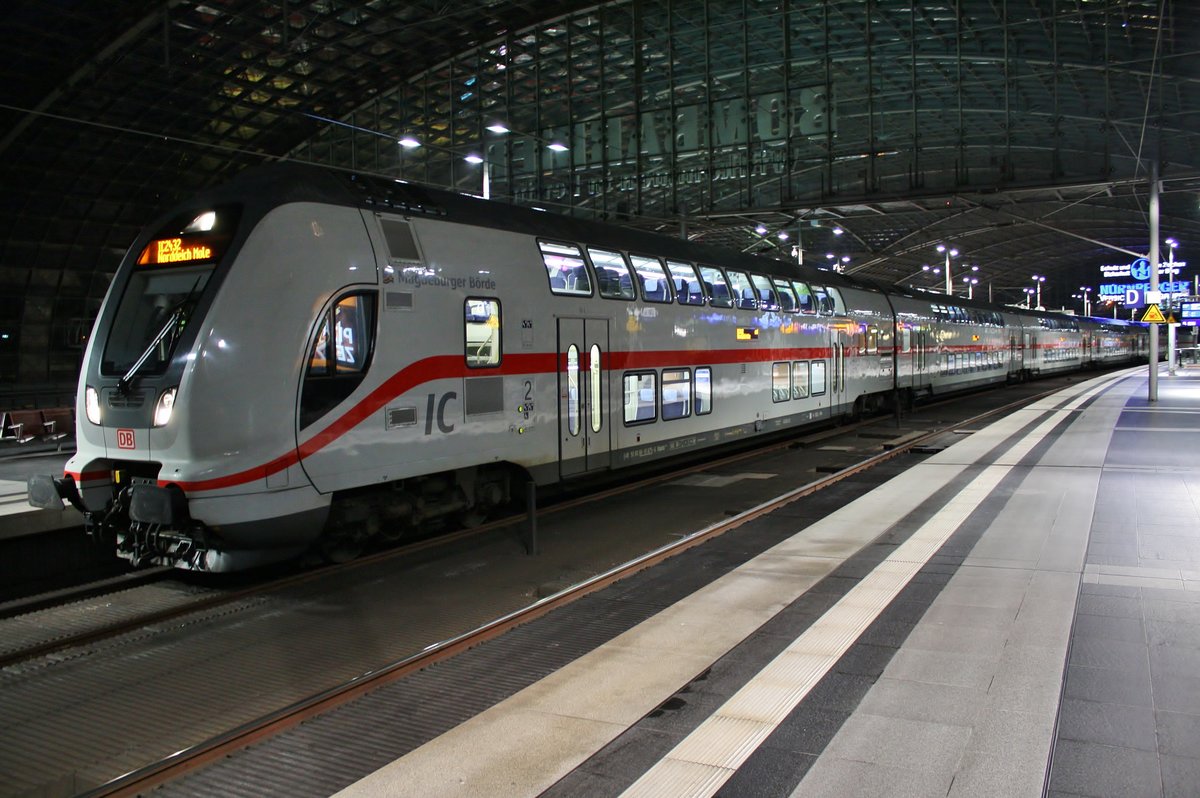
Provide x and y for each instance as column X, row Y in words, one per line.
column 1025, row 618
column 17, row 518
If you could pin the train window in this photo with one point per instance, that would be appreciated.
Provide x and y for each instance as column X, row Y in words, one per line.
column 676, row 393
column 573, row 404
column 652, row 278
column 800, row 379
column 566, row 269
column 765, row 292
column 906, row 340
column 817, row 382
column 347, row 350
column 704, row 395
column 835, row 296
column 718, row 288
column 873, row 341
column 781, row 382
column 742, row 290
column 594, row 387
column 687, row 284
column 824, row 303
column 482, row 319
column 340, row 355
column 639, row 397
column 612, row 274
column 804, row 295
column 787, row 297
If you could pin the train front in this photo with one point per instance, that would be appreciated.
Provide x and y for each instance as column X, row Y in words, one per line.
column 185, row 400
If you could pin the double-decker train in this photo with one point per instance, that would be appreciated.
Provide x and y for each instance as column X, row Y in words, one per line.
column 308, row 359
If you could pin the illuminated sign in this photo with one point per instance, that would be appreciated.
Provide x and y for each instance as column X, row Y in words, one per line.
column 747, row 333
column 1133, row 293
column 1190, row 311
column 176, row 250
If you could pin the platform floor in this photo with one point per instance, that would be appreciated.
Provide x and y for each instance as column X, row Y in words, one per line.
column 1017, row 615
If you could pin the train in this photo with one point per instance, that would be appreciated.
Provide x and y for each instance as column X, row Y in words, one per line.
column 309, row 360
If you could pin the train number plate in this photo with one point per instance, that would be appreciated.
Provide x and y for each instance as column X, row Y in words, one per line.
column 125, row 439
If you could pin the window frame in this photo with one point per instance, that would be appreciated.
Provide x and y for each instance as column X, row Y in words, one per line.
column 737, row 294
column 696, row 408
column 668, row 287
column 662, row 387
column 797, row 367
column 672, row 265
column 499, row 313
column 713, row 300
column 583, row 263
column 639, row 373
column 779, row 395
column 633, row 291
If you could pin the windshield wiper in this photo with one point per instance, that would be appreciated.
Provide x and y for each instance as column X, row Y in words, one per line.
column 172, row 320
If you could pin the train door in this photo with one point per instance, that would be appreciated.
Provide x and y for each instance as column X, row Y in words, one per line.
column 839, row 341
column 584, row 421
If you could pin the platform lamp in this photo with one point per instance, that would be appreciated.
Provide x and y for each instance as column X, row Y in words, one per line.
column 1087, row 299
column 971, row 282
column 1038, row 279
column 949, row 253
column 935, row 270
column 1028, row 298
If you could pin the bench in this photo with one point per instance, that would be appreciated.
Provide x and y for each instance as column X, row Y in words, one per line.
column 23, row 426
column 58, row 423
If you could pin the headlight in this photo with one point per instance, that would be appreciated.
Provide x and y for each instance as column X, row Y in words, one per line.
column 166, row 404
column 91, row 404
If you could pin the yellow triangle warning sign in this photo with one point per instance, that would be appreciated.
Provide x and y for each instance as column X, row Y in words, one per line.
column 1153, row 315
column 1171, row 319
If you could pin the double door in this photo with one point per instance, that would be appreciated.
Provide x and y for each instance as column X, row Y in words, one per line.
column 584, row 406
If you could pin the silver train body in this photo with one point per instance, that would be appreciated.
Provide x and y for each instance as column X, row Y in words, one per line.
column 311, row 359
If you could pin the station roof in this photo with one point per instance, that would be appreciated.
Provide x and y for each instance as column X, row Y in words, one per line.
column 110, row 112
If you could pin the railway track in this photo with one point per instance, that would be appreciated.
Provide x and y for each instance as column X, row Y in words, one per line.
column 221, row 745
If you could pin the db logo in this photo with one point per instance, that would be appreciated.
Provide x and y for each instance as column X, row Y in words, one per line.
column 125, row 439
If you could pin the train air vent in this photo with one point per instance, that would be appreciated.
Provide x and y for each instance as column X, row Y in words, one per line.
column 401, row 417
column 397, row 300
column 129, row 401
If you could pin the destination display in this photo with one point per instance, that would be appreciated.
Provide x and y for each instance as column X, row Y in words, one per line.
column 175, row 251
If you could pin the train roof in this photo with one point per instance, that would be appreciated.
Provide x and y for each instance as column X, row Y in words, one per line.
column 265, row 187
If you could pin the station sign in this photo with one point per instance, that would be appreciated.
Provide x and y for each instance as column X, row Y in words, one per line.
column 1135, row 283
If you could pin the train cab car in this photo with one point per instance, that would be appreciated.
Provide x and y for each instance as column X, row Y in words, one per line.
column 307, row 361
